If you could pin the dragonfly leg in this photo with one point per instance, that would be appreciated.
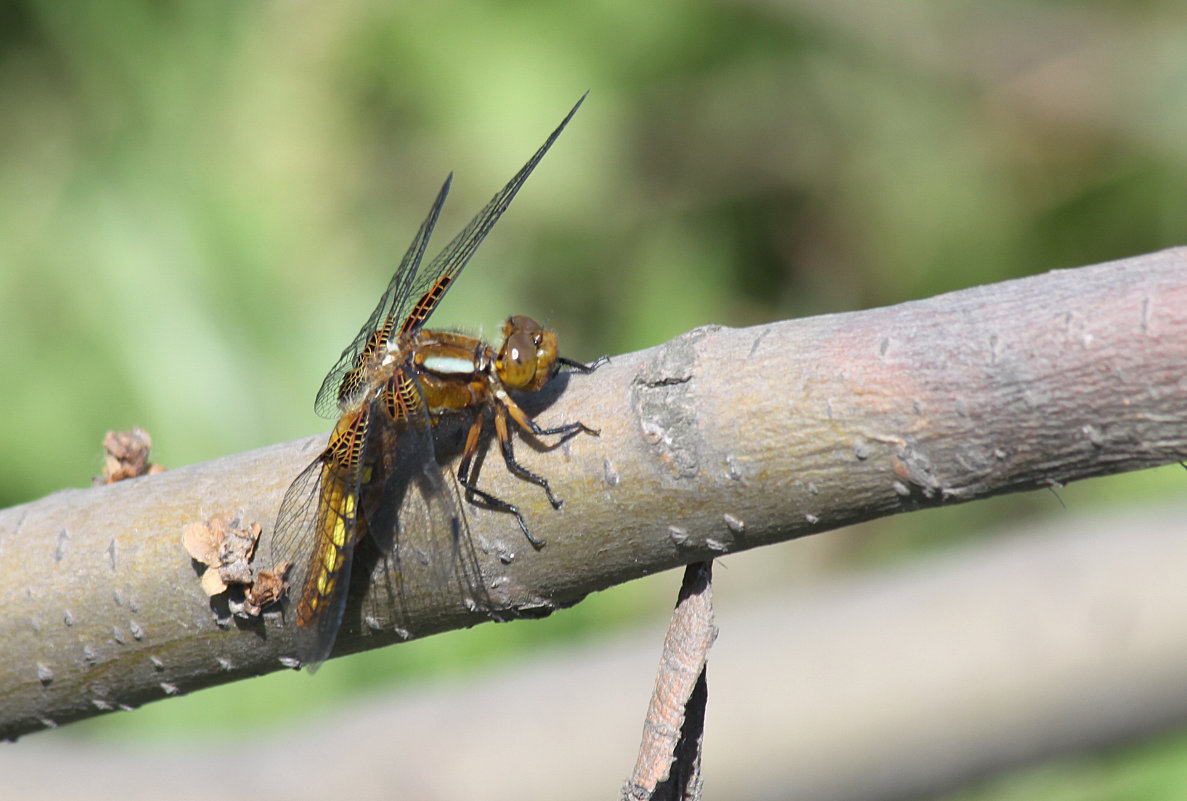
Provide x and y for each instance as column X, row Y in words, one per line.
column 582, row 367
column 569, row 429
column 503, row 433
column 473, row 438
column 521, row 418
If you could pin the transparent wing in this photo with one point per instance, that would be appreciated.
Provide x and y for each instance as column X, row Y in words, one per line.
column 427, row 572
column 430, row 286
column 393, row 307
column 425, row 567
column 414, row 293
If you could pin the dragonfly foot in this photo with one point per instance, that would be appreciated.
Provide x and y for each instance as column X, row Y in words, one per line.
column 536, row 542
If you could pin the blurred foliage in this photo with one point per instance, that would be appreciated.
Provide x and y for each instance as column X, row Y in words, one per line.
column 1152, row 771
column 201, row 201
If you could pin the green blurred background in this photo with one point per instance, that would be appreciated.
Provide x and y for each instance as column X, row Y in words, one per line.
column 200, row 203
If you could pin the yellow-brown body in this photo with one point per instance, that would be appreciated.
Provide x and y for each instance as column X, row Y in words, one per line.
column 452, row 372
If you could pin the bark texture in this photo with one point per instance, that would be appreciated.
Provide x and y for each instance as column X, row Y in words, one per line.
column 720, row 440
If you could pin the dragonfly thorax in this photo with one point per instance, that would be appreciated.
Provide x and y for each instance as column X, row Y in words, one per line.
column 371, row 368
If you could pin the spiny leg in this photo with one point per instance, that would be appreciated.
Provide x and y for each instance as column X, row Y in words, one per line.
column 567, row 430
column 521, row 418
column 582, row 367
column 503, row 433
column 473, row 438
column 506, row 406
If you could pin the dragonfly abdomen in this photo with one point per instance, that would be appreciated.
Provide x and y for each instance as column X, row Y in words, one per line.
column 343, row 472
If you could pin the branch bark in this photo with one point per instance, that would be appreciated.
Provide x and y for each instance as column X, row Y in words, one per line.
column 720, row 440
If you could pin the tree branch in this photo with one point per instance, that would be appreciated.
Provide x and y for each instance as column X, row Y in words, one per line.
column 717, row 441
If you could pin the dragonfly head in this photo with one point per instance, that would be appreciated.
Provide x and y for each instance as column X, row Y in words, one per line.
column 528, row 356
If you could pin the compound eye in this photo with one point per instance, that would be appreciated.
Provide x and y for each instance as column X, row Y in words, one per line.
column 517, row 365
column 520, row 322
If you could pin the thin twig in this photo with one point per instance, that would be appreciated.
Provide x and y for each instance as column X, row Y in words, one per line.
column 669, row 764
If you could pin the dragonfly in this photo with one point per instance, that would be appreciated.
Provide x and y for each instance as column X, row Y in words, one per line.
column 388, row 390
